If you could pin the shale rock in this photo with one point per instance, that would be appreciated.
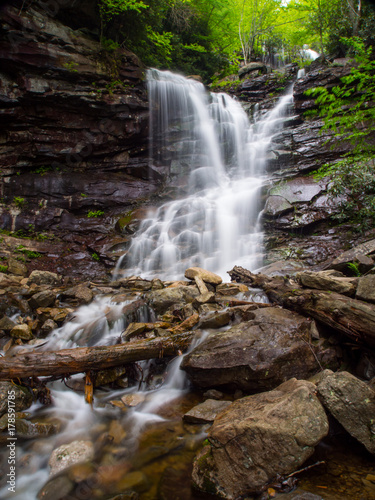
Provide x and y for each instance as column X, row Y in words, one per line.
column 366, row 288
column 255, row 355
column 258, row 437
column 341, row 262
column 352, row 403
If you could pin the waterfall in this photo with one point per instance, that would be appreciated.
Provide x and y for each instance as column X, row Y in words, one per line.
column 216, row 159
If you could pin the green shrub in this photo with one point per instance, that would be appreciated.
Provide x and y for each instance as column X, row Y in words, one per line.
column 3, row 269
column 19, row 202
column 97, row 213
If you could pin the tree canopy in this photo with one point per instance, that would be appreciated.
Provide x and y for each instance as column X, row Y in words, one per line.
column 209, row 37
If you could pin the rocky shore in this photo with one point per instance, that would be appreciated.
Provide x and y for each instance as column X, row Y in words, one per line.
column 276, row 382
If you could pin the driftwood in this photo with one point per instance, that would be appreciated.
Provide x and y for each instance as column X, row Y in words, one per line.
column 85, row 359
column 354, row 318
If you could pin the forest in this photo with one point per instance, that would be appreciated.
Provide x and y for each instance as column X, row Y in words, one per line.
column 212, row 38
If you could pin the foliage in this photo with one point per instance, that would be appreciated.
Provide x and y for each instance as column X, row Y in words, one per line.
column 71, row 66
column 29, row 253
column 348, row 113
column 354, row 268
column 19, row 202
column 96, row 213
column 95, row 256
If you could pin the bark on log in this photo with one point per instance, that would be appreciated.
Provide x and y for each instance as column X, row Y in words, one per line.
column 354, row 318
column 84, row 359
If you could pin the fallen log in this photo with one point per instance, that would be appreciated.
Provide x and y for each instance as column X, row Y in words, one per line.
column 354, row 318
column 84, row 359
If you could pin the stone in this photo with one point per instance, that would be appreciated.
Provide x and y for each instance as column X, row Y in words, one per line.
column 44, row 278
column 17, row 267
column 68, row 454
column 277, row 205
column 213, row 394
column 352, row 403
column 56, row 488
column 47, row 327
column 81, row 293
column 133, row 399
column 176, row 297
column 254, row 355
column 258, row 438
column 366, row 288
column 206, row 412
column 21, row 397
column 31, row 430
column 299, row 189
column 6, row 324
column 324, row 280
column 341, row 262
column 22, row 332
column 364, row 263
column 214, row 319
column 45, row 298
column 206, row 276
column 253, row 67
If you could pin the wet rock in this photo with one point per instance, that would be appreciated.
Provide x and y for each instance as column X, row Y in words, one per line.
column 9, row 392
column 258, row 437
column 206, row 276
column 44, row 278
column 226, row 289
column 6, row 324
column 57, row 488
column 42, row 299
column 68, row 454
column 254, row 68
column 116, row 431
column 167, row 298
column 324, row 280
column 255, row 355
column 213, row 394
column 22, row 332
column 47, row 327
column 300, row 494
column 366, row 288
column 341, row 262
column 214, row 319
column 282, row 267
column 81, row 293
column 299, row 189
column 110, row 375
column 133, row 399
column 206, row 412
column 277, row 205
column 31, row 430
column 352, row 403
column 204, row 298
column 17, row 267
column 136, row 480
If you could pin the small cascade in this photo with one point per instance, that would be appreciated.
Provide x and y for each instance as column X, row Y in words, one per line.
column 217, row 160
column 301, row 73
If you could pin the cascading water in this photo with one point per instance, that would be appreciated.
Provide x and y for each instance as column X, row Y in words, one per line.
column 217, row 158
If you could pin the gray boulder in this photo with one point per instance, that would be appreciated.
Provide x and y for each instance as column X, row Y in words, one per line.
column 352, row 403
column 258, row 437
column 174, row 297
column 254, row 355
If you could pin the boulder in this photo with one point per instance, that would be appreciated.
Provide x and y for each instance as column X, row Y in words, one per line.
column 22, row 331
column 352, row 403
column 6, row 324
column 206, row 412
column 17, row 267
column 206, row 276
column 259, row 437
column 68, row 454
column 11, row 393
column 45, row 298
column 325, row 280
column 176, row 297
column 366, row 288
column 254, row 355
column 277, row 205
column 44, row 278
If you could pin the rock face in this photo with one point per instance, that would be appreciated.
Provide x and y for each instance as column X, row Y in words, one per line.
column 352, row 403
column 258, row 437
column 255, row 355
column 73, row 128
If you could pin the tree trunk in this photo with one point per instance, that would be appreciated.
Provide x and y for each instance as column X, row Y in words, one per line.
column 84, row 359
column 354, row 318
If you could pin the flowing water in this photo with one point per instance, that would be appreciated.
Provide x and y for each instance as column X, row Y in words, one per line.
column 217, row 158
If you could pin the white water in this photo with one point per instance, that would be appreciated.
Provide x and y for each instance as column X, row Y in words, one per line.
column 220, row 158
column 215, row 224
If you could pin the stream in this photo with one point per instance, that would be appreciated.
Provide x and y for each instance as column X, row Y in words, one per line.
column 136, row 441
